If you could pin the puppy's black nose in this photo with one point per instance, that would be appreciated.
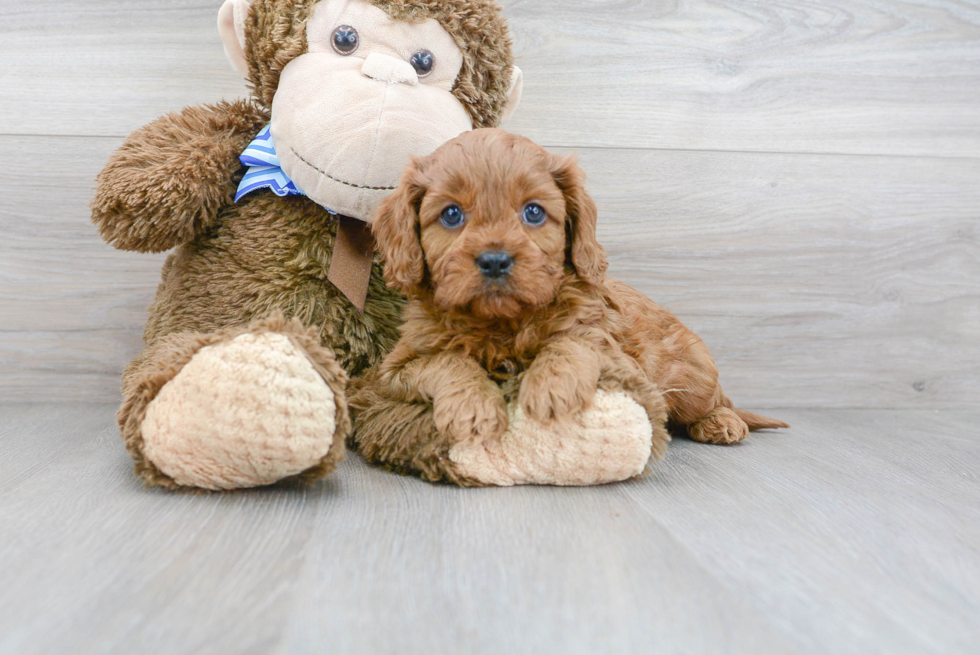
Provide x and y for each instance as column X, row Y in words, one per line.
column 495, row 264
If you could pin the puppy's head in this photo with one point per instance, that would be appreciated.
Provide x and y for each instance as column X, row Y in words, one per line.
column 487, row 224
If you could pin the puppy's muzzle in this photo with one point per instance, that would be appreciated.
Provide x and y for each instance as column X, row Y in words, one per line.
column 495, row 265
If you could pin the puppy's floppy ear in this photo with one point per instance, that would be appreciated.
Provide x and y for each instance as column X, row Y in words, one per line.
column 587, row 255
column 396, row 229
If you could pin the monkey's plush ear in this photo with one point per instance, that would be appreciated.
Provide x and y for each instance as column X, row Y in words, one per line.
column 396, row 229
column 514, row 95
column 587, row 254
column 231, row 26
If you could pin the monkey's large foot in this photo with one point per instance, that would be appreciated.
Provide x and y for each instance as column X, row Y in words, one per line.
column 241, row 408
column 608, row 442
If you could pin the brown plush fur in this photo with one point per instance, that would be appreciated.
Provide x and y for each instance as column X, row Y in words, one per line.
column 172, row 185
column 556, row 321
column 244, row 261
column 170, row 179
column 276, row 34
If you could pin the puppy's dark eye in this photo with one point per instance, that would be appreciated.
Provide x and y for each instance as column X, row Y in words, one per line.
column 534, row 214
column 452, row 216
column 423, row 61
column 345, row 40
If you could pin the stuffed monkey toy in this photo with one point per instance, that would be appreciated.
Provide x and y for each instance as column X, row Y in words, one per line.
column 272, row 296
column 271, row 299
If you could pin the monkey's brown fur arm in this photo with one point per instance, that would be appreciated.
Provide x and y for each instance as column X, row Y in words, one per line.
column 171, row 177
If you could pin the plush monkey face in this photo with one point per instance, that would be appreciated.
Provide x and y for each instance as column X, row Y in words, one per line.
column 367, row 93
column 348, row 122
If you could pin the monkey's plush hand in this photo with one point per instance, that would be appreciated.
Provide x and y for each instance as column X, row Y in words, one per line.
column 170, row 178
column 581, row 417
column 561, row 381
column 610, row 441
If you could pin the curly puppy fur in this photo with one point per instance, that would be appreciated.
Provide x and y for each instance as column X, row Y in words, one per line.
column 276, row 34
column 555, row 322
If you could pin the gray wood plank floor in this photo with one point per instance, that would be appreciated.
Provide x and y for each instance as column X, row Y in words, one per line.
column 854, row 532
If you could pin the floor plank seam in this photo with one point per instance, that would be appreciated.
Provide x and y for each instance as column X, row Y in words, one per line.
column 718, row 151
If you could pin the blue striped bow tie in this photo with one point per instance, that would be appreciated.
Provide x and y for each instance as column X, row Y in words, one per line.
column 353, row 256
column 265, row 171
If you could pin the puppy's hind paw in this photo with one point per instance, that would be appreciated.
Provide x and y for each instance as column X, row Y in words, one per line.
column 719, row 426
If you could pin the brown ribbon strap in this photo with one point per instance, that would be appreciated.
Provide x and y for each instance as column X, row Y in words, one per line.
column 353, row 255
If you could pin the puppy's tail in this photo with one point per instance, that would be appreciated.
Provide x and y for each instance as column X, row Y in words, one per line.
column 756, row 422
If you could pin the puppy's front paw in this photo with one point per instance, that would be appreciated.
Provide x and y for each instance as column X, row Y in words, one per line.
column 468, row 414
column 547, row 394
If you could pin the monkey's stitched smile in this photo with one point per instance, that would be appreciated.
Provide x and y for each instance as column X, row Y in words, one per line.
column 350, row 184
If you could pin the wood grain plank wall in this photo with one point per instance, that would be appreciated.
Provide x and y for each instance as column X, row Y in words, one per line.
column 799, row 182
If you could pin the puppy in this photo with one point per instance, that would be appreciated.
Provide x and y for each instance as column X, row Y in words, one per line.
column 493, row 241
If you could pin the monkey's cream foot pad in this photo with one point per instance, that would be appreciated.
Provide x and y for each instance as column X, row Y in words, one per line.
column 609, row 442
column 242, row 413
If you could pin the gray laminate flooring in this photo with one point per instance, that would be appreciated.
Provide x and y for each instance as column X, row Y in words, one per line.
column 857, row 531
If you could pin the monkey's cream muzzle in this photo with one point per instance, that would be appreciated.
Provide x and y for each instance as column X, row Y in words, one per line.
column 346, row 148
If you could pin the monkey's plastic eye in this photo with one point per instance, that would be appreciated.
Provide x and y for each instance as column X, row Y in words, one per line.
column 534, row 214
column 452, row 216
column 344, row 40
column 423, row 61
